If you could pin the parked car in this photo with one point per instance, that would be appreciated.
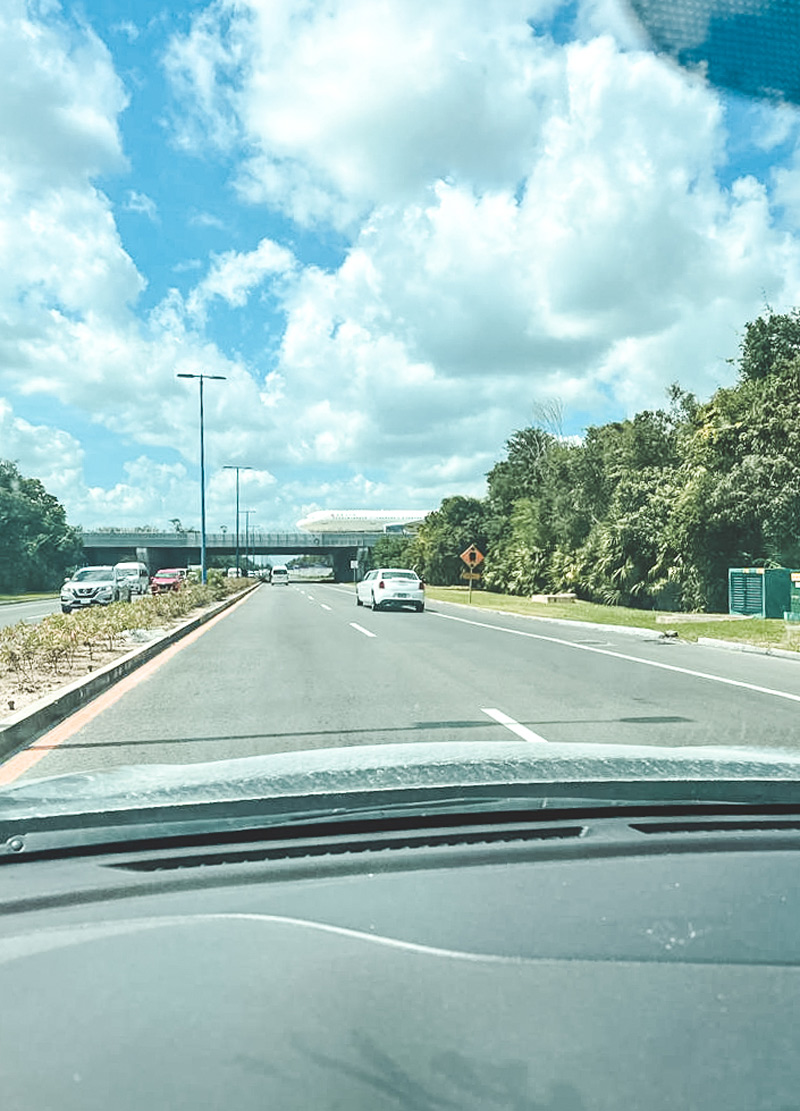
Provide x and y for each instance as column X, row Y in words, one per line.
column 391, row 587
column 94, row 586
column 136, row 575
column 168, row 578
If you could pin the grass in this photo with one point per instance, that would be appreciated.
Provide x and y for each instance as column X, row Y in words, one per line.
column 7, row 599
column 764, row 633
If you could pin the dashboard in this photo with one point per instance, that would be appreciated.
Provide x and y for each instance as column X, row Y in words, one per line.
column 567, row 975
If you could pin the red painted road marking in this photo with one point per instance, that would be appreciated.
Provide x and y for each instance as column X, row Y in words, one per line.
column 25, row 760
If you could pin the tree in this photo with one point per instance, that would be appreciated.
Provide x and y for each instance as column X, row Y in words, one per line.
column 435, row 551
column 37, row 546
column 768, row 342
column 392, row 551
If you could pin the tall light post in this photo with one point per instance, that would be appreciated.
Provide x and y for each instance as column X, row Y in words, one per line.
column 247, row 513
column 231, row 467
column 202, row 378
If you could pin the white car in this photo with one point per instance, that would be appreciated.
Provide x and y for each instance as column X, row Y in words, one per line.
column 388, row 587
column 94, row 586
column 279, row 575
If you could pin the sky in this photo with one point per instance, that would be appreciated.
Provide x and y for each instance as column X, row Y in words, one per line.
column 399, row 229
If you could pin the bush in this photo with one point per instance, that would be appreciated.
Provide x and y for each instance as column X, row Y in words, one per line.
column 53, row 644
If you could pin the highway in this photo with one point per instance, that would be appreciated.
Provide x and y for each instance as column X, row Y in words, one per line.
column 301, row 666
column 12, row 612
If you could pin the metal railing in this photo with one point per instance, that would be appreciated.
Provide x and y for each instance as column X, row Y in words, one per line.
column 263, row 541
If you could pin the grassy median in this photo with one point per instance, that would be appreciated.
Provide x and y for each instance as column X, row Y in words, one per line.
column 35, row 658
column 10, row 599
column 690, row 627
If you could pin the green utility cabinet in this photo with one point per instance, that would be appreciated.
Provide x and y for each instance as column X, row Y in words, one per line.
column 793, row 613
column 760, row 591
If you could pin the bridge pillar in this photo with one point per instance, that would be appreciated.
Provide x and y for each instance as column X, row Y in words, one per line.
column 342, row 571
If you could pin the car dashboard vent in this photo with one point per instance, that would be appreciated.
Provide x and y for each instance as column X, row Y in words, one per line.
column 348, row 844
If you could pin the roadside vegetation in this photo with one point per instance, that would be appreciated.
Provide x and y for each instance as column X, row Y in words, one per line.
column 28, row 596
column 751, row 630
column 36, row 657
column 37, row 546
column 647, row 513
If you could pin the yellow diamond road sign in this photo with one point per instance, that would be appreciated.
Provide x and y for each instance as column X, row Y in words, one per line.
column 472, row 557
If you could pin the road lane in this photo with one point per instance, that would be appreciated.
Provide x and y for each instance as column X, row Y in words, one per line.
column 292, row 669
column 12, row 612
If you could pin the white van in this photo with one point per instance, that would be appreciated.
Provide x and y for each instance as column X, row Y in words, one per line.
column 135, row 575
column 279, row 575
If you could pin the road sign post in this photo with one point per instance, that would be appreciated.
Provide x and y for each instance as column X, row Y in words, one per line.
column 472, row 557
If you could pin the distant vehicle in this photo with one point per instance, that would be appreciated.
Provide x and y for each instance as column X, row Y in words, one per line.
column 168, row 578
column 391, row 588
column 233, row 573
column 94, row 586
column 279, row 575
column 362, row 520
column 136, row 575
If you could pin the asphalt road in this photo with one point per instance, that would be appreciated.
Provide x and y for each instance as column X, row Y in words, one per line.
column 12, row 612
column 302, row 667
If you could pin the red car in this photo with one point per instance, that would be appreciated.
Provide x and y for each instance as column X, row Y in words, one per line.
column 169, row 578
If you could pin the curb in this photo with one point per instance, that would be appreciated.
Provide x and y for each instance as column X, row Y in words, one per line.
column 19, row 729
column 743, row 646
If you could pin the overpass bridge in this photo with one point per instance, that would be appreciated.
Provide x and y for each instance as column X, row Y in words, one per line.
column 182, row 549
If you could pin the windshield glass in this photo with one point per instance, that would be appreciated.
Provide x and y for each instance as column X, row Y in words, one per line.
column 497, row 300
column 93, row 574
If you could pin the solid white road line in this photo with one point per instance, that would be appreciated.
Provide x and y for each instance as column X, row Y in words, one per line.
column 624, row 656
column 361, row 629
column 514, row 726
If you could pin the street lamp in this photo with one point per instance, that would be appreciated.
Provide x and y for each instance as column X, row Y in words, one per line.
column 230, row 467
column 247, row 513
column 202, row 378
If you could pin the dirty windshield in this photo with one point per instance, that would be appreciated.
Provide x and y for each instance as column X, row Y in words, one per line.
column 502, row 297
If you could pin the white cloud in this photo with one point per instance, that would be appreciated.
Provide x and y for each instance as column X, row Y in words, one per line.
column 348, row 105
column 234, row 274
column 621, row 266
column 51, row 455
column 140, row 202
column 127, row 28
column 523, row 220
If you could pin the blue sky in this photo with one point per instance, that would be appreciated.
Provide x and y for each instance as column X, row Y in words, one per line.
column 395, row 227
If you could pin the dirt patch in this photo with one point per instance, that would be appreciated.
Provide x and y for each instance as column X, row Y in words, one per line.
column 20, row 690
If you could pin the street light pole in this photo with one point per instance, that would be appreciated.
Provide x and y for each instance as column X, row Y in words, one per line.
column 202, row 378
column 247, row 513
column 231, row 467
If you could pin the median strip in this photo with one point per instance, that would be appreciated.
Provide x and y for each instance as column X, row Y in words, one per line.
column 21, row 728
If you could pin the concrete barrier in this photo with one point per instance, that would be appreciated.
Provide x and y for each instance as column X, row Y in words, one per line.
column 19, row 729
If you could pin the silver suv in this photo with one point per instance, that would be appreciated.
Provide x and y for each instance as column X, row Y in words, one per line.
column 94, row 586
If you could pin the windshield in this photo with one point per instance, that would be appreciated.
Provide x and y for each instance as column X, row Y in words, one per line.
column 498, row 300
column 93, row 574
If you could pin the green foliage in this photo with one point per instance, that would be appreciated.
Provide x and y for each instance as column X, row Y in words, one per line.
column 392, row 551
column 648, row 512
column 435, row 551
column 37, row 546
column 769, row 342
